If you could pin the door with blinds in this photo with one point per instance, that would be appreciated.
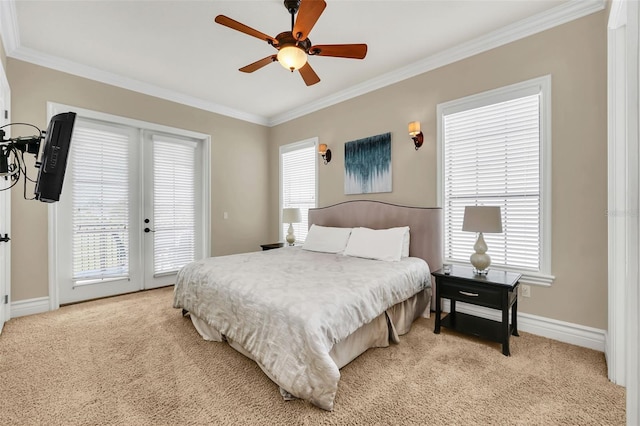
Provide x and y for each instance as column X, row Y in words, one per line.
column 171, row 207
column 131, row 215
column 98, row 226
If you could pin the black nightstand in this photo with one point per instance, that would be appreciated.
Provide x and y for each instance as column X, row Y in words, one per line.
column 271, row 246
column 497, row 290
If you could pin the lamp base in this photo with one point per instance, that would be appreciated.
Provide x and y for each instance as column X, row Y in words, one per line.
column 291, row 238
column 418, row 140
column 477, row 271
column 480, row 259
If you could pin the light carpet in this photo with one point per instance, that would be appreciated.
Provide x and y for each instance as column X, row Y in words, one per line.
column 134, row 360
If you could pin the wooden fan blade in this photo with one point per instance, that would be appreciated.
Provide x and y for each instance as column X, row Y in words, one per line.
column 309, row 75
column 235, row 25
column 308, row 14
column 354, row 51
column 259, row 64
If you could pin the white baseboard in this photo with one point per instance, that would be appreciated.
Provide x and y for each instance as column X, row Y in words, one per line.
column 567, row 332
column 574, row 334
column 21, row 308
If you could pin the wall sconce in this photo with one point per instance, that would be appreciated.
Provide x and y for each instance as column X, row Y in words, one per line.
column 416, row 134
column 326, row 153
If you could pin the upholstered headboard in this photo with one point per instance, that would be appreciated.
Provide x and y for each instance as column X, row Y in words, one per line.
column 425, row 223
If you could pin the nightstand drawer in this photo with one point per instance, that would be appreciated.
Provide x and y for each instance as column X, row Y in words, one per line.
column 470, row 293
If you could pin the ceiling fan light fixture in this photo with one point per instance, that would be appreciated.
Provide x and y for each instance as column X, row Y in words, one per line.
column 293, row 46
column 292, row 57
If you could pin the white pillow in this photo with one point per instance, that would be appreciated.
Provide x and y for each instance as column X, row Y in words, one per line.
column 405, row 243
column 379, row 244
column 326, row 239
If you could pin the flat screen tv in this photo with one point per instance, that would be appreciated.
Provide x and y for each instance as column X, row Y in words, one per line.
column 53, row 161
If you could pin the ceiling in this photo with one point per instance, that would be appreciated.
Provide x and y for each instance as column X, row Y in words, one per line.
column 174, row 50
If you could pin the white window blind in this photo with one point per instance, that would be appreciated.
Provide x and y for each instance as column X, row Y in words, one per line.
column 174, row 202
column 100, row 194
column 492, row 157
column 298, row 179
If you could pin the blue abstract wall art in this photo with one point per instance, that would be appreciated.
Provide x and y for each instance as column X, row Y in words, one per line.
column 367, row 165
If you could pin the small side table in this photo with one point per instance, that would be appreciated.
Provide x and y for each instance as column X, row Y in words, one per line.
column 496, row 290
column 271, row 246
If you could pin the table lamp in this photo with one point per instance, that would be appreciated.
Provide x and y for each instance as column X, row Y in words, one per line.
column 291, row 215
column 481, row 219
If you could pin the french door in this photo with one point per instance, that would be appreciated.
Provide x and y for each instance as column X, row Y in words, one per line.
column 131, row 212
column 171, row 206
column 5, row 259
column 5, row 213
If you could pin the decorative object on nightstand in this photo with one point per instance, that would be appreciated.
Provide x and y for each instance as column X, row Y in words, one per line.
column 481, row 219
column 495, row 290
column 291, row 216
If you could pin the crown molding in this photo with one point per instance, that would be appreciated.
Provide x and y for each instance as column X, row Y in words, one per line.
column 558, row 15
column 70, row 67
column 566, row 12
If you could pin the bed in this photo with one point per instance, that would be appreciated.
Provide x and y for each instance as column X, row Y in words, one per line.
column 302, row 314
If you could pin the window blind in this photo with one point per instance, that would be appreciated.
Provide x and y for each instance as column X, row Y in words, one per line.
column 100, row 199
column 298, row 162
column 174, row 202
column 492, row 157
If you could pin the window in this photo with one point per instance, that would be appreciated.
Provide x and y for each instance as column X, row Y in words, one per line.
column 298, row 183
column 494, row 151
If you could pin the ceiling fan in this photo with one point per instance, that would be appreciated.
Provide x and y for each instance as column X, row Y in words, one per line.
column 294, row 46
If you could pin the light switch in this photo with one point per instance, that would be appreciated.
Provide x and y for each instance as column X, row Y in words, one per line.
column 225, row 215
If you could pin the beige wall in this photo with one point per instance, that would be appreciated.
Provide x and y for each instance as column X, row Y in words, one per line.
column 574, row 55
column 239, row 165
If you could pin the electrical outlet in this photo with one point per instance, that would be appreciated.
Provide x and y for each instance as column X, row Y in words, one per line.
column 525, row 290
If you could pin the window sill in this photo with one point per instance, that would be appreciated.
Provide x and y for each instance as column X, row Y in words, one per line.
column 537, row 278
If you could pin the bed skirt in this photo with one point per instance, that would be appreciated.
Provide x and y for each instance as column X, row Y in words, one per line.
column 379, row 333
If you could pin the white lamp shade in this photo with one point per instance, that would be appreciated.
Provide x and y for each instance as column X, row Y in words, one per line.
column 292, row 57
column 482, row 219
column 291, row 215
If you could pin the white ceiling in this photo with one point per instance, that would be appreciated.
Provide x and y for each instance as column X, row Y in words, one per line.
column 173, row 49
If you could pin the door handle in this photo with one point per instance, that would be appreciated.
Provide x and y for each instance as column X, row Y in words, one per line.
column 148, row 230
column 5, row 239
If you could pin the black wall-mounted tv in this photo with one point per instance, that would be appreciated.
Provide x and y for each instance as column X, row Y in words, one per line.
column 53, row 161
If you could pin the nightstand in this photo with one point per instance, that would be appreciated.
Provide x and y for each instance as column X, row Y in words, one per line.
column 271, row 246
column 496, row 290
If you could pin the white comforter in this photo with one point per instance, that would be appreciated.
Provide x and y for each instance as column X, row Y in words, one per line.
column 288, row 307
